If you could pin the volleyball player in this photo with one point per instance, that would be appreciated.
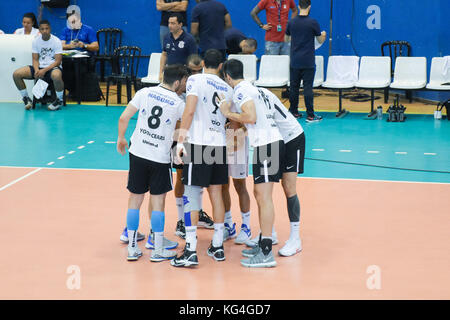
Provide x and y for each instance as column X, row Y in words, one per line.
column 150, row 169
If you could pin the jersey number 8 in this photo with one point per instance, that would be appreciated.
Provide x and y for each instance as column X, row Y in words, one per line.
column 154, row 120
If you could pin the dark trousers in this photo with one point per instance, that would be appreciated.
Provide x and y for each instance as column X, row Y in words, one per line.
column 296, row 76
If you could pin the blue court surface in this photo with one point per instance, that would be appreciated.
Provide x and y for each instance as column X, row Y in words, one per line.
column 348, row 148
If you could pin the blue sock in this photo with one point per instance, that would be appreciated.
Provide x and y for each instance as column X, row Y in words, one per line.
column 187, row 219
column 158, row 220
column 133, row 219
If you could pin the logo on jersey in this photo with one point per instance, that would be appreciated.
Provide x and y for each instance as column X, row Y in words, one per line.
column 144, row 112
column 205, row 100
column 240, row 96
column 189, row 87
column 168, row 122
column 181, row 44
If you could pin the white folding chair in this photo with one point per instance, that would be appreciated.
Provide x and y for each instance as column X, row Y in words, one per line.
column 152, row 77
column 249, row 62
column 374, row 73
column 273, row 71
column 342, row 73
column 439, row 74
column 410, row 73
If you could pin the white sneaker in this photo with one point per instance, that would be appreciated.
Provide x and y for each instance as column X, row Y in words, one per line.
column 161, row 255
column 244, row 235
column 291, row 247
column 55, row 105
column 134, row 253
column 254, row 242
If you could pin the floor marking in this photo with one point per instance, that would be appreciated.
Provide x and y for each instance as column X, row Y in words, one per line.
column 62, row 157
column 318, row 149
column 80, row 147
column 429, row 153
column 21, row 178
column 110, row 142
column 71, row 152
column 373, row 151
column 91, row 142
column 345, row 150
column 50, row 163
column 401, row 152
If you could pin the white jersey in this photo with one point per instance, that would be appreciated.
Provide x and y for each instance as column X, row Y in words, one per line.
column 289, row 127
column 159, row 111
column 46, row 49
column 208, row 124
column 265, row 130
column 21, row 31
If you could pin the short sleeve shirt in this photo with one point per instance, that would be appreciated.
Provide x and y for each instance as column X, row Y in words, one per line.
column 21, row 31
column 303, row 30
column 233, row 38
column 178, row 50
column 209, row 14
column 276, row 15
column 86, row 35
column 46, row 49
column 159, row 110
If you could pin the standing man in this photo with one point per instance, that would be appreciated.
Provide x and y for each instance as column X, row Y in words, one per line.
column 209, row 20
column 204, row 155
column 47, row 56
column 256, row 113
column 301, row 32
column 178, row 45
column 150, row 169
column 167, row 7
column 277, row 13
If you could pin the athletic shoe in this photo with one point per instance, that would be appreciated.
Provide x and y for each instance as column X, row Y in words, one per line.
column 251, row 252
column 204, row 220
column 167, row 244
column 244, row 235
column 180, row 230
column 187, row 259
column 260, row 261
column 134, row 253
column 28, row 103
column 316, row 118
column 229, row 232
column 124, row 236
column 297, row 115
column 216, row 252
column 55, row 105
column 290, row 248
column 254, row 242
column 158, row 256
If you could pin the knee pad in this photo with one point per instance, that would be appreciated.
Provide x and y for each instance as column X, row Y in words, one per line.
column 158, row 220
column 192, row 198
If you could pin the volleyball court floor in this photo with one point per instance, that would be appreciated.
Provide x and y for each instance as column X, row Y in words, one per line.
column 374, row 215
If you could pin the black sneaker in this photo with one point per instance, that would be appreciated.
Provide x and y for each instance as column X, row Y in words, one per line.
column 204, row 220
column 216, row 252
column 316, row 118
column 28, row 103
column 297, row 115
column 55, row 105
column 180, row 230
column 187, row 259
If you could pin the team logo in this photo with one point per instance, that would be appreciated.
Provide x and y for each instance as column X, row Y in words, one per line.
column 168, row 122
column 181, row 44
column 168, row 46
column 189, row 88
column 143, row 112
column 240, row 96
column 205, row 100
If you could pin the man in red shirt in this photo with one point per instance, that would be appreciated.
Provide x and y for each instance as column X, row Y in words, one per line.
column 277, row 14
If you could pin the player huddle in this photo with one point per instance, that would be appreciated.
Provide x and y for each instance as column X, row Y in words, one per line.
column 222, row 116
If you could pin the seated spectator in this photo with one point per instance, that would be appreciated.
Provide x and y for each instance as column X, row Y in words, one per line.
column 178, row 44
column 77, row 35
column 47, row 56
column 238, row 43
column 29, row 24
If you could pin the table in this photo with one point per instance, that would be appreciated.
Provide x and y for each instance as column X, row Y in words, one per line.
column 76, row 59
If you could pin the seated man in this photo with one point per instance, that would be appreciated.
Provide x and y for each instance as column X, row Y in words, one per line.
column 47, row 56
column 238, row 43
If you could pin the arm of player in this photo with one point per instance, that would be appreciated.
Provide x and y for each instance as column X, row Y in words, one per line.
column 186, row 121
column 194, row 28
column 248, row 114
column 162, row 64
column 228, row 23
column 127, row 114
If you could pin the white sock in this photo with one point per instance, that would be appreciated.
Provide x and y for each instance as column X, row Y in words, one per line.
column 132, row 241
column 159, row 238
column 218, row 234
column 191, row 238
column 24, row 93
column 180, row 207
column 274, row 233
column 295, row 231
column 59, row 95
column 246, row 218
column 228, row 218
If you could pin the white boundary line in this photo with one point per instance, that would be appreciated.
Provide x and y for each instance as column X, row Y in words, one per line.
column 301, row 177
column 19, row 179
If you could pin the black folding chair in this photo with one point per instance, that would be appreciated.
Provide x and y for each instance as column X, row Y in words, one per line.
column 49, row 96
column 396, row 49
column 108, row 40
column 126, row 58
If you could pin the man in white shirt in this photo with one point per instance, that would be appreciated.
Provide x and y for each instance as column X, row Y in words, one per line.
column 47, row 56
column 254, row 111
column 204, row 155
column 150, row 156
